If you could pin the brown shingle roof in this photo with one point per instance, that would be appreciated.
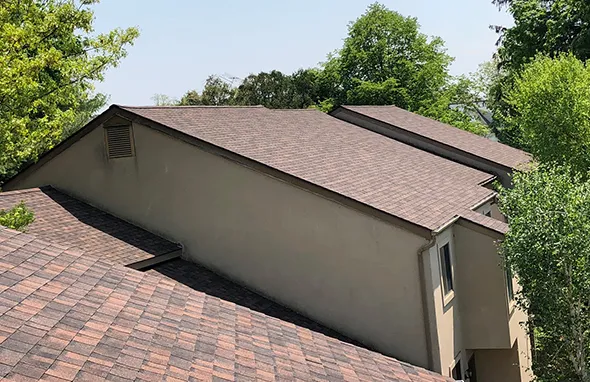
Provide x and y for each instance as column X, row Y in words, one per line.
column 66, row 221
column 203, row 280
column 387, row 175
column 74, row 317
column 451, row 136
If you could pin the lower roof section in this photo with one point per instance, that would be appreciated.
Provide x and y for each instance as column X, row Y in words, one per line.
column 67, row 315
column 69, row 222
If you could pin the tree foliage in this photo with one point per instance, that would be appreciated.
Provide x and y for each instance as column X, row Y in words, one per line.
column 548, row 247
column 18, row 217
column 276, row 90
column 385, row 60
column 550, row 104
column 217, row 92
column 547, row 27
column 49, row 59
column 386, row 50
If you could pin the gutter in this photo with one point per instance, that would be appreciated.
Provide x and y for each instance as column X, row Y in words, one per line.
column 431, row 334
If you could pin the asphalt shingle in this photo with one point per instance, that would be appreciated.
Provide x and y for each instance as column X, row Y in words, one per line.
column 451, row 136
column 390, row 176
column 69, row 222
column 67, row 316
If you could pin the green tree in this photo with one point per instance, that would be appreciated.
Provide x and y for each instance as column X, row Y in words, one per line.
column 164, row 100
column 276, row 90
column 18, row 217
column 458, row 104
column 191, row 98
column 548, row 247
column 49, row 60
column 550, row 110
column 548, row 27
column 273, row 90
column 216, row 92
column 386, row 60
column 386, row 50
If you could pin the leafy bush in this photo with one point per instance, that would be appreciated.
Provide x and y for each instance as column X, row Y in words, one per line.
column 18, row 217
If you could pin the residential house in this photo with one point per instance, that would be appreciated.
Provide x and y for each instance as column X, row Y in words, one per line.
column 436, row 137
column 382, row 240
column 70, row 315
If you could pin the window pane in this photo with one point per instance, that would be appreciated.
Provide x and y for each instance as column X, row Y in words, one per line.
column 447, row 270
column 456, row 372
column 509, row 285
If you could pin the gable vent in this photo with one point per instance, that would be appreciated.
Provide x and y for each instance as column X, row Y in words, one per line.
column 119, row 141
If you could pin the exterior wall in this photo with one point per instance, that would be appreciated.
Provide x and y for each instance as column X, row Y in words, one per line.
column 403, row 136
column 497, row 365
column 483, row 296
column 347, row 270
column 476, row 319
column 446, row 309
column 491, row 324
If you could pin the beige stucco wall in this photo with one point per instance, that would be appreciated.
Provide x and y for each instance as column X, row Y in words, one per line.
column 498, row 365
column 489, row 320
column 449, row 344
column 476, row 315
column 345, row 269
column 483, row 297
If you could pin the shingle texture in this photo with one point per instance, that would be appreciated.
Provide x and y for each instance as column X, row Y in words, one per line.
column 387, row 175
column 65, row 316
column 471, row 143
column 69, row 222
column 203, row 280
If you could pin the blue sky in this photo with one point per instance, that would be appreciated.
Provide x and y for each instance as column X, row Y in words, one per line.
column 184, row 41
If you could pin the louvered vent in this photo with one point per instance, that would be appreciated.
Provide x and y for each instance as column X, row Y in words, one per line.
column 119, row 140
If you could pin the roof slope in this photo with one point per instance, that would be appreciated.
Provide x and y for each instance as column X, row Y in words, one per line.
column 451, row 136
column 387, row 175
column 69, row 222
column 203, row 280
column 71, row 316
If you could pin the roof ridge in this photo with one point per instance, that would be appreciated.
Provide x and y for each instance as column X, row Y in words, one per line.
column 192, row 107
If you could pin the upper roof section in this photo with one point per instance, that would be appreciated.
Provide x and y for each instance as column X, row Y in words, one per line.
column 387, row 175
column 66, row 316
column 69, row 222
column 465, row 141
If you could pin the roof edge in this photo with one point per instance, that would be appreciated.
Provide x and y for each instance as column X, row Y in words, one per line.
column 62, row 146
column 412, row 227
column 417, row 229
column 344, row 109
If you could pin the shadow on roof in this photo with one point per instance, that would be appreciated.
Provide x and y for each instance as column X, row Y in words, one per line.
column 106, row 223
column 203, row 280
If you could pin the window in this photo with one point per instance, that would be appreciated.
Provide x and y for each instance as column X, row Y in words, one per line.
column 446, row 268
column 456, row 373
column 509, row 284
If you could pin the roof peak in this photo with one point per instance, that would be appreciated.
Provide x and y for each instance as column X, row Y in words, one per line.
column 191, row 107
